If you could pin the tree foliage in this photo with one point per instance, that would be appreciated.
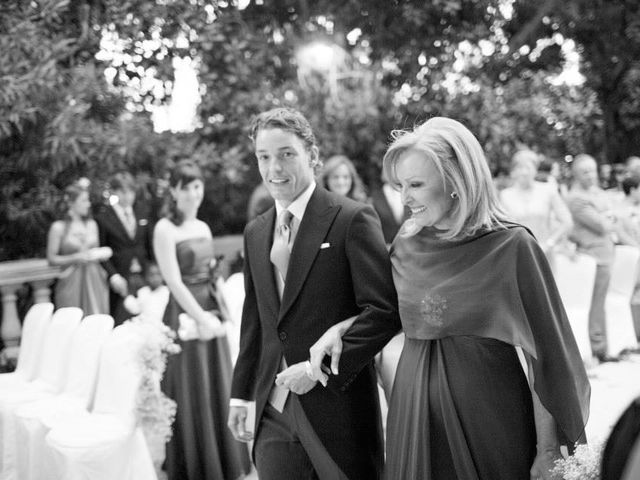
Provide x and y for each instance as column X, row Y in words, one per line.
column 395, row 63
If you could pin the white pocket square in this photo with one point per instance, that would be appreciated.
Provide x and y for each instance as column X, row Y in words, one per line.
column 325, row 245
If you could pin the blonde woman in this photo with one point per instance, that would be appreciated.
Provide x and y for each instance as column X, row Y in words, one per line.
column 536, row 205
column 490, row 382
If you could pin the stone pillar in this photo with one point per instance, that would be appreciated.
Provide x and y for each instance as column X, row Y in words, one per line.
column 41, row 291
column 10, row 330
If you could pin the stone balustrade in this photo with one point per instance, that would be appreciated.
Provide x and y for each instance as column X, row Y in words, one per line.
column 13, row 274
column 40, row 275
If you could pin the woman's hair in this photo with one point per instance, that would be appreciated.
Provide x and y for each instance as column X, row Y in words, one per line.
column 71, row 194
column 357, row 190
column 525, row 156
column 459, row 158
column 630, row 183
column 182, row 173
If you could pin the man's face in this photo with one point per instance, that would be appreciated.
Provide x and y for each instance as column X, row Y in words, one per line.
column 285, row 164
column 126, row 197
column 586, row 173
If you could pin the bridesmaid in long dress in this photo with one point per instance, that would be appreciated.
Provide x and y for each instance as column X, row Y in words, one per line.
column 73, row 244
column 490, row 381
column 199, row 377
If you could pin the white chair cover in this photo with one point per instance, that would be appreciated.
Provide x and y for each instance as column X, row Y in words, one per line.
column 106, row 444
column 49, row 380
column 621, row 333
column 34, row 327
column 575, row 278
column 32, row 456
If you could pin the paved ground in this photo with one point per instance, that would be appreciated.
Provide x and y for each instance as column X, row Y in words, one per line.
column 613, row 387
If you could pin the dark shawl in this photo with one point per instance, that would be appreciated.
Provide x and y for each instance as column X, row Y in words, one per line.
column 495, row 284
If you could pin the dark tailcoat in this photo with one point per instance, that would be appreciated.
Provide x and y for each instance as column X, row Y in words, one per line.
column 339, row 267
column 114, row 234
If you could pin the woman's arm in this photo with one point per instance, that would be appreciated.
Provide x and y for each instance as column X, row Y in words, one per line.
column 302, row 377
column 330, row 343
column 164, row 248
column 547, row 443
column 56, row 232
column 565, row 223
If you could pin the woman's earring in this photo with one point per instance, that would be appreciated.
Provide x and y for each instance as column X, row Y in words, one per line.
column 454, row 195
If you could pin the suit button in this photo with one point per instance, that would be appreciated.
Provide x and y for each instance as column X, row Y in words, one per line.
column 283, row 336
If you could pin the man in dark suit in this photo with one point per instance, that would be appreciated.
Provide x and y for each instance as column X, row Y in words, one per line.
column 388, row 205
column 312, row 261
column 124, row 226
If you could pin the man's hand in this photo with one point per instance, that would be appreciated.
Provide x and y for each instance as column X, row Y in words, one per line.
column 237, row 423
column 295, row 378
column 119, row 284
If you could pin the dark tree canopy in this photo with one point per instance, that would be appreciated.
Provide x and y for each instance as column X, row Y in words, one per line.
column 392, row 64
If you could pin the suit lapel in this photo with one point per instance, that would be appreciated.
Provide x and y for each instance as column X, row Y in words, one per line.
column 313, row 229
column 118, row 224
column 262, row 267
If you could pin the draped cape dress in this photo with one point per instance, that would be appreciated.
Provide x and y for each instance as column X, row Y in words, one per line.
column 461, row 406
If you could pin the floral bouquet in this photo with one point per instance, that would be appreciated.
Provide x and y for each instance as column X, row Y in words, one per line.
column 155, row 412
column 584, row 464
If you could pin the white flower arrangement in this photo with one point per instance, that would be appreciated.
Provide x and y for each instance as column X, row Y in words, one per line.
column 584, row 464
column 155, row 412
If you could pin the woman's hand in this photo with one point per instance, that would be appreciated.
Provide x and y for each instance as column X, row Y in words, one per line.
column 99, row 254
column 330, row 343
column 543, row 464
column 210, row 326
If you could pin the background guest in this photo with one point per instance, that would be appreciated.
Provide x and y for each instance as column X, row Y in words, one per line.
column 536, row 205
column 593, row 232
column 388, row 205
column 73, row 244
column 339, row 176
column 124, row 226
column 199, row 377
column 259, row 202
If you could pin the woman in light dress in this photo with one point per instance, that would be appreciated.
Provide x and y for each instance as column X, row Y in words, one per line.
column 73, row 245
column 536, row 205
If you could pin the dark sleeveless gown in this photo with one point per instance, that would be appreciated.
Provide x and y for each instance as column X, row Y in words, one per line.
column 199, row 380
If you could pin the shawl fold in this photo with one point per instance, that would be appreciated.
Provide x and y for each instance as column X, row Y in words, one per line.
column 496, row 284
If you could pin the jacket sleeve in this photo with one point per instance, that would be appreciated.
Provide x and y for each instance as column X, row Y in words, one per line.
column 103, row 234
column 375, row 296
column 244, row 373
column 585, row 214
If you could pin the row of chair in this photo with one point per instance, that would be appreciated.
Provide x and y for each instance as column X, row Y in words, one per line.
column 68, row 410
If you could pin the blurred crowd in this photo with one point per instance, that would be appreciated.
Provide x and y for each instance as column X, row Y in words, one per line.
column 573, row 205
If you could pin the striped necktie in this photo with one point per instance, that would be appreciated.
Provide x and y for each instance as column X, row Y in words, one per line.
column 280, row 249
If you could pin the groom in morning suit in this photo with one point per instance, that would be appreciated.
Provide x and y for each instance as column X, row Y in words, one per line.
column 311, row 261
